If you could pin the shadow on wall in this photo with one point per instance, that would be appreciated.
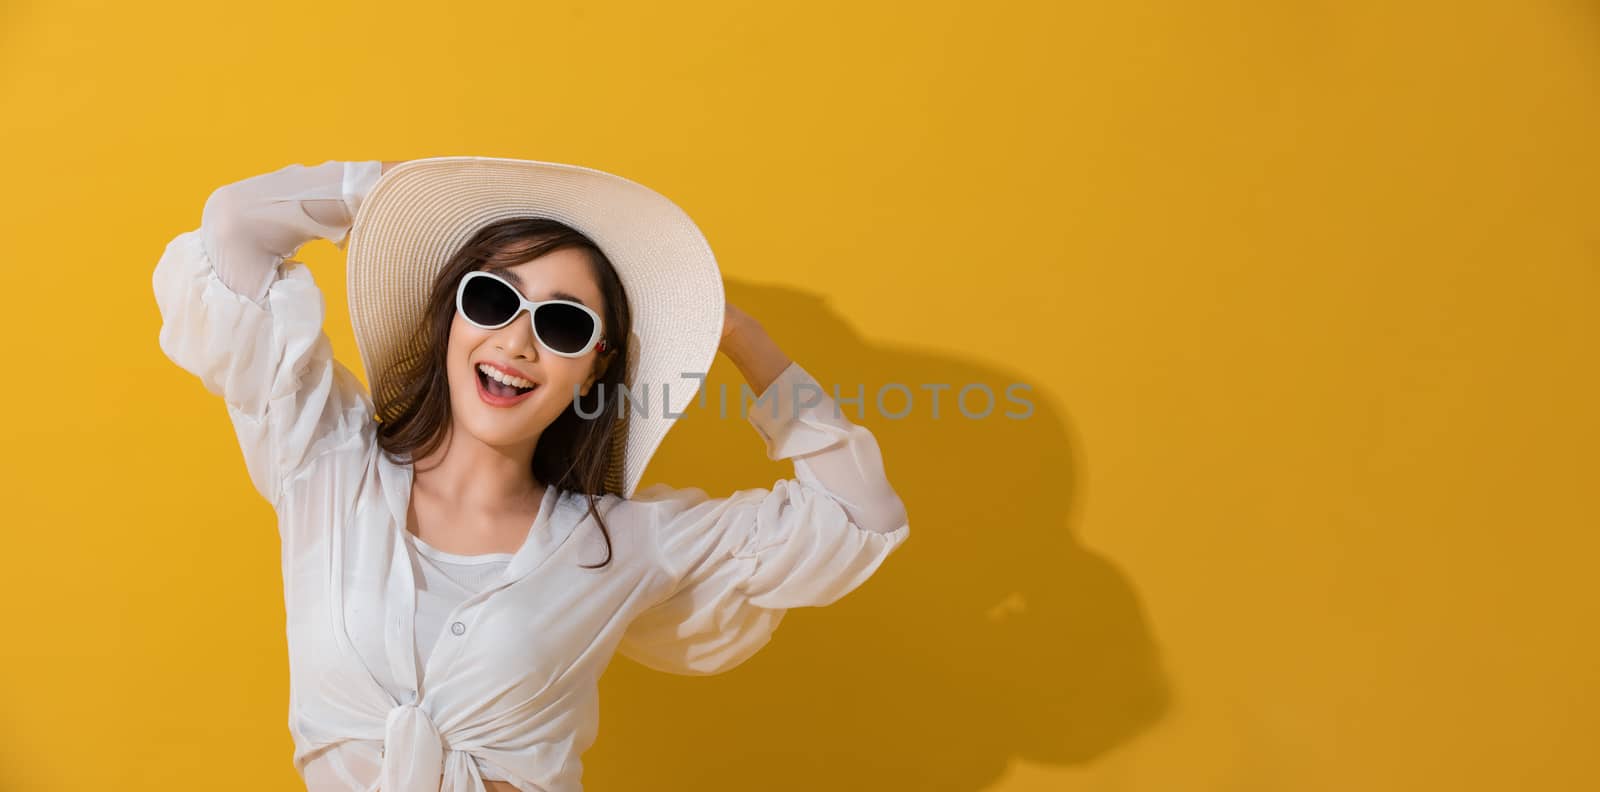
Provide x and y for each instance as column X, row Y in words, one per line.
column 991, row 634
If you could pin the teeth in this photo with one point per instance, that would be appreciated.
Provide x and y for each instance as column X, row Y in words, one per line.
column 507, row 379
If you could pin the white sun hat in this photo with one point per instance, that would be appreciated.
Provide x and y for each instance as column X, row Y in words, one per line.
column 422, row 211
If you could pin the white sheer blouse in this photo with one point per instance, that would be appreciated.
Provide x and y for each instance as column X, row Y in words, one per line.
column 395, row 685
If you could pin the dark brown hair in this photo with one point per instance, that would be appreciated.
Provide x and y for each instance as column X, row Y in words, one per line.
column 412, row 397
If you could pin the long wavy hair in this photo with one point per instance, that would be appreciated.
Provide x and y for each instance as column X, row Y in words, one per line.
column 574, row 450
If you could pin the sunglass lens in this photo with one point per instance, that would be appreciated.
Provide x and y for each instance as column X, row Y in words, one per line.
column 487, row 301
column 564, row 328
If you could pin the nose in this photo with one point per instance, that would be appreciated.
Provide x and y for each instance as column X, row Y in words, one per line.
column 518, row 337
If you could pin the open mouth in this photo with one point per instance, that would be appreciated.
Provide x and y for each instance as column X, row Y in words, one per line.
column 496, row 388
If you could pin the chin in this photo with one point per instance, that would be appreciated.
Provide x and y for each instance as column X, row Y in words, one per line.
column 489, row 433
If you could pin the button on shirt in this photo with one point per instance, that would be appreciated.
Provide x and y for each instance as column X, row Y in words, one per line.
column 380, row 696
column 444, row 581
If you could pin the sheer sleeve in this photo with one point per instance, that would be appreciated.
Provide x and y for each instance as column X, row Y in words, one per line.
column 740, row 562
column 247, row 321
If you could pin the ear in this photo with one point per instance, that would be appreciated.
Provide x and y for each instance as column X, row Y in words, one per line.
column 594, row 376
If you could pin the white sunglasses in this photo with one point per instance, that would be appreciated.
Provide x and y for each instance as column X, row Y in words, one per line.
column 564, row 327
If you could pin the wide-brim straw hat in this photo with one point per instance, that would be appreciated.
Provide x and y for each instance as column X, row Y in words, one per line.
column 422, row 211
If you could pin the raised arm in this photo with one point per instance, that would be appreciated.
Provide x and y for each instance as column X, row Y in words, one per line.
column 738, row 563
column 245, row 319
column 250, row 227
column 830, row 453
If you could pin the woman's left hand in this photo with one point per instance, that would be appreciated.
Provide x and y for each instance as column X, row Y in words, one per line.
column 747, row 344
column 734, row 319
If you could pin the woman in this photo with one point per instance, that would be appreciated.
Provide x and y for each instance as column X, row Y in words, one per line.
column 463, row 549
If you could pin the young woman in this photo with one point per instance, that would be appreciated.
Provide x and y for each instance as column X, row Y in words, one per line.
column 463, row 547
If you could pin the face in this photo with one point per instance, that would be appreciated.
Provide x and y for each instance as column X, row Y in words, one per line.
column 517, row 427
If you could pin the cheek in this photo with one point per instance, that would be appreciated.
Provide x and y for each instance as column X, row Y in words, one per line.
column 464, row 338
column 569, row 373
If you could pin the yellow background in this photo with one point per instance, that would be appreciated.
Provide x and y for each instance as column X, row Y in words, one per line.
column 1305, row 294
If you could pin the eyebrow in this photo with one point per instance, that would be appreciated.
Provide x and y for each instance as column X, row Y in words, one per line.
column 556, row 294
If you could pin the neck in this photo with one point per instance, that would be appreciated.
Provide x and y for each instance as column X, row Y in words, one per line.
column 479, row 477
